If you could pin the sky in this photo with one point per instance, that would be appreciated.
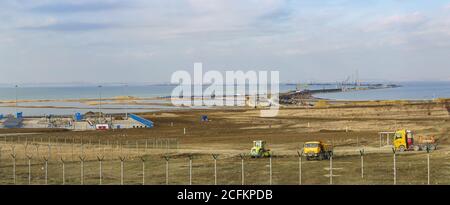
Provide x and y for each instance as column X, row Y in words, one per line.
column 101, row 41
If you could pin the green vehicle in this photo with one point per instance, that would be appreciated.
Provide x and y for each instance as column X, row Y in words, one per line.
column 259, row 149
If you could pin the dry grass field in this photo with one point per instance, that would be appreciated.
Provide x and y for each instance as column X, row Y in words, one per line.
column 230, row 132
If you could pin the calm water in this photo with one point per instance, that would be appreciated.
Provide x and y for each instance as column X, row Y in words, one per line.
column 410, row 90
column 92, row 92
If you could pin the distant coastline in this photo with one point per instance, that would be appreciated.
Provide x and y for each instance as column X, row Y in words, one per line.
column 68, row 100
column 295, row 96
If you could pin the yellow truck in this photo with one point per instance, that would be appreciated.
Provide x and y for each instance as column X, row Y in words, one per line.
column 405, row 140
column 317, row 150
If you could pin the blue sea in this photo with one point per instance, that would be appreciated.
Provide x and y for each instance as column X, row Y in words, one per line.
column 89, row 92
column 408, row 91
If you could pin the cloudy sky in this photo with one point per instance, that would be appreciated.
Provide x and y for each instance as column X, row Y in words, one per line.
column 56, row 41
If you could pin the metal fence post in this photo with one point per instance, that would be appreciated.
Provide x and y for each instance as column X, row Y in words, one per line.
column 300, row 155
column 166, row 157
column 331, row 169
column 428, row 165
column 63, row 171
column 270, row 170
column 122, row 159
column 46, row 169
column 395, row 167
column 29, row 169
column 242, row 169
column 82, row 158
column 361, row 152
column 13, row 155
column 100, row 160
column 190, row 169
column 215, row 156
column 143, row 169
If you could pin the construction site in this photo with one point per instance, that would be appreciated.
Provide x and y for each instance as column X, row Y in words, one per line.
column 385, row 142
column 78, row 122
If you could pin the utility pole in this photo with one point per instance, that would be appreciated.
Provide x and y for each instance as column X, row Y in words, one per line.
column 100, row 101
column 16, row 88
column 126, row 101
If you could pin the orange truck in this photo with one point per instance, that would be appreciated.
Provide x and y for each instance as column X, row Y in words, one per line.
column 317, row 150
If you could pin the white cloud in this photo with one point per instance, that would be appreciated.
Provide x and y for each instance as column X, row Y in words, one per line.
column 162, row 33
column 4, row 40
column 226, row 15
column 447, row 7
column 397, row 22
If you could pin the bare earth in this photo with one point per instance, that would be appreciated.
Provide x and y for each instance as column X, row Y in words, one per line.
column 230, row 132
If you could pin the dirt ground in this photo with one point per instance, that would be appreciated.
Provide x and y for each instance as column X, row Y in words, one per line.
column 230, row 132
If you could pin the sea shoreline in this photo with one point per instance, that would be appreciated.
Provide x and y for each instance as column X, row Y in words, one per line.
column 134, row 103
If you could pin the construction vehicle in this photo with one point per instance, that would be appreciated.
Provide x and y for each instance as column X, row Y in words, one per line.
column 317, row 150
column 259, row 149
column 404, row 140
